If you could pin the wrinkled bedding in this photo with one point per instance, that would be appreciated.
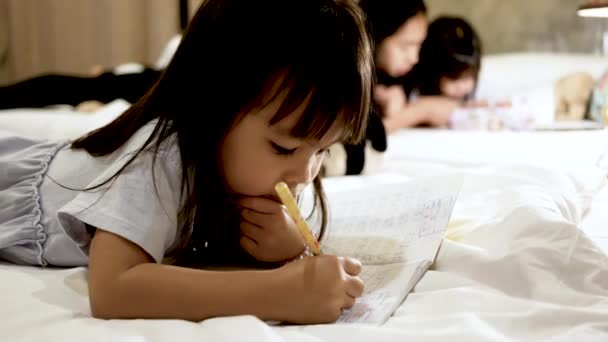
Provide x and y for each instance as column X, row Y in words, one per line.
column 516, row 263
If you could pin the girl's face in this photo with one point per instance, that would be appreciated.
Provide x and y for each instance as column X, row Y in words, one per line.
column 458, row 88
column 255, row 155
column 398, row 53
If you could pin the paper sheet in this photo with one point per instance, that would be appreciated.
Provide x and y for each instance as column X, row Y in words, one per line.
column 386, row 286
column 379, row 223
column 395, row 231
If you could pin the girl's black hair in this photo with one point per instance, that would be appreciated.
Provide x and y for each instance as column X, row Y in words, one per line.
column 451, row 49
column 230, row 53
column 385, row 17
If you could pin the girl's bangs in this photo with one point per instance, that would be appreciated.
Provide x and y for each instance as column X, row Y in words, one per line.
column 326, row 76
column 326, row 101
column 456, row 68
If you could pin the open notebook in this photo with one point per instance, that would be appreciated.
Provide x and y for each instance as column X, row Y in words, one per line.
column 394, row 229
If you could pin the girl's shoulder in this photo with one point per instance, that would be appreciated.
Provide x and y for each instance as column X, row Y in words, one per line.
column 20, row 147
column 134, row 157
column 168, row 148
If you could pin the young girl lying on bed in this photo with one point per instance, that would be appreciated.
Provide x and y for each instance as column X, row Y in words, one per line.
column 254, row 95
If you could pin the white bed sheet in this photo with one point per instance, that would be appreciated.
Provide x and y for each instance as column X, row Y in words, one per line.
column 595, row 224
column 572, row 156
column 516, row 265
column 526, row 272
column 58, row 122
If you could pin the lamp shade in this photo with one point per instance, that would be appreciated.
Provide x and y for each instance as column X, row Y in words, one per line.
column 594, row 9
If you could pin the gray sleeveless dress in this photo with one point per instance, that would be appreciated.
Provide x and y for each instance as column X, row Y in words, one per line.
column 47, row 215
column 23, row 164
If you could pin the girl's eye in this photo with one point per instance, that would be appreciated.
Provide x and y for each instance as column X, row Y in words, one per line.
column 282, row 150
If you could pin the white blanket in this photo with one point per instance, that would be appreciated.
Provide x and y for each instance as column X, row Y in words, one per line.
column 58, row 122
column 515, row 265
column 525, row 272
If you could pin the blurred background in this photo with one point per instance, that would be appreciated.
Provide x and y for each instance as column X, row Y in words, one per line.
column 73, row 36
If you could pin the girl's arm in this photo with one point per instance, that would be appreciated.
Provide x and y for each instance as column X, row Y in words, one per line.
column 432, row 110
column 125, row 283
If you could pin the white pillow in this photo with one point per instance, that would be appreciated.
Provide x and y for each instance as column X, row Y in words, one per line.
column 58, row 123
column 509, row 74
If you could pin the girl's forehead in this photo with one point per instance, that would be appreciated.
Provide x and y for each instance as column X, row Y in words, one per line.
column 285, row 127
column 296, row 108
column 414, row 29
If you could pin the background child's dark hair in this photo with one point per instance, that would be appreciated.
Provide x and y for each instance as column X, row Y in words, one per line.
column 232, row 52
column 451, row 49
column 385, row 17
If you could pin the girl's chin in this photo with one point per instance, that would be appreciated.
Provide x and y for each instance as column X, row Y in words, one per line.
column 402, row 72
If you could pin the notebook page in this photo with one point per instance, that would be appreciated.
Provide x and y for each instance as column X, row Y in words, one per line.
column 383, row 223
column 386, row 286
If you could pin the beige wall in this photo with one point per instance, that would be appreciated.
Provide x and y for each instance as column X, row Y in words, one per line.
column 527, row 25
column 193, row 5
column 71, row 36
column 3, row 42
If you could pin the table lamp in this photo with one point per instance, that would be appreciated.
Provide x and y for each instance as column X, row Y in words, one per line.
column 598, row 9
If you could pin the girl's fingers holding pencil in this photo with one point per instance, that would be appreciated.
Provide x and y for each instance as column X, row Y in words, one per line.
column 353, row 284
column 352, row 266
column 354, row 287
column 349, row 302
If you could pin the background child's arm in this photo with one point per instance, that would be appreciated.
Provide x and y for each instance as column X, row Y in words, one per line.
column 432, row 110
column 125, row 283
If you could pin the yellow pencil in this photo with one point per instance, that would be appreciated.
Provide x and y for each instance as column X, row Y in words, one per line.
column 292, row 208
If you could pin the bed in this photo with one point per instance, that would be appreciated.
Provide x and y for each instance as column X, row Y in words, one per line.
column 524, row 257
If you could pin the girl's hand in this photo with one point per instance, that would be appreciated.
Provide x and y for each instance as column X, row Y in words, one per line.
column 319, row 288
column 268, row 233
column 391, row 99
column 439, row 110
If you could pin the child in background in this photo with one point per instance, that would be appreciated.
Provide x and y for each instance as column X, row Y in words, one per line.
column 450, row 60
column 399, row 28
column 255, row 94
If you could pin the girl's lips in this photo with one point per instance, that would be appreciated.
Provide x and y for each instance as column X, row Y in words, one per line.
column 273, row 197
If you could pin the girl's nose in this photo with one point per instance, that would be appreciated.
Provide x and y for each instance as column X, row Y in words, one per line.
column 299, row 175
column 414, row 55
